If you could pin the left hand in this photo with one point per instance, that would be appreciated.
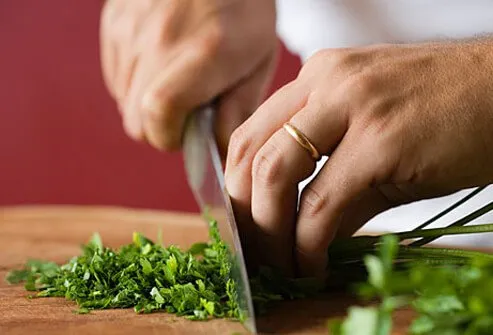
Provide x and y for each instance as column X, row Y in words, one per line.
column 400, row 123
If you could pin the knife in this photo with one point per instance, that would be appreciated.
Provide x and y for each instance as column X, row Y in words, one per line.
column 206, row 179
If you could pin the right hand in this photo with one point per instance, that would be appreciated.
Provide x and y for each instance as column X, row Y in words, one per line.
column 161, row 59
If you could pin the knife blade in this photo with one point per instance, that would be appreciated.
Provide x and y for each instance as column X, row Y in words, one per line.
column 206, row 179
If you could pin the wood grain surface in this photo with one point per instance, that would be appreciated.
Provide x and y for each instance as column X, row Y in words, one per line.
column 56, row 232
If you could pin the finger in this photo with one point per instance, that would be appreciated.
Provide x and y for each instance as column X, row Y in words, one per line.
column 375, row 201
column 150, row 108
column 124, row 79
column 277, row 168
column 126, row 58
column 132, row 118
column 177, row 91
column 233, row 109
column 190, row 76
column 324, row 125
column 109, row 59
column 370, row 203
column 349, row 171
column 200, row 70
column 126, row 35
column 245, row 141
column 239, row 103
column 280, row 165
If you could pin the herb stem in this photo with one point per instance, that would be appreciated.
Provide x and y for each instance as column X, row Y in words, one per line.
column 439, row 232
column 468, row 218
column 443, row 252
column 450, row 208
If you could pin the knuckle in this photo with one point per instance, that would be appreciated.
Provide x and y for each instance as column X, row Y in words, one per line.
column 349, row 59
column 361, row 87
column 156, row 114
column 160, row 108
column 212, row 41
column 238, row 149
column 267, row 167
column 313, row 63
column 322, row 55
column 330, row 62
column 312, row 202
column 341, row 62
column 216, row 35
column 332, row 56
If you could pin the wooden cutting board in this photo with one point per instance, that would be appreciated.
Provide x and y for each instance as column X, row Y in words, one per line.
column 56, row 232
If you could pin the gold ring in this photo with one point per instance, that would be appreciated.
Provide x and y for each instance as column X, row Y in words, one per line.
column 302, row 140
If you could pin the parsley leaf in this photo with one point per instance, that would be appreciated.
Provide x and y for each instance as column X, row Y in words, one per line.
column 149, row 277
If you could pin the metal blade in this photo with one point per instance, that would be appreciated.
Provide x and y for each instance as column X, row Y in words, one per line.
column 206, row 179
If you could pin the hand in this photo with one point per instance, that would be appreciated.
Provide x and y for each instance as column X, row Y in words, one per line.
column 161, row 59
column 399, row 123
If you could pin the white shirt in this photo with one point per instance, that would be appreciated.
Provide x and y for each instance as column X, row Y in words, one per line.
column 307, row 26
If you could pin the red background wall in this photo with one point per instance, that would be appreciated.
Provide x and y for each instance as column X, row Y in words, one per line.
column 61, row 139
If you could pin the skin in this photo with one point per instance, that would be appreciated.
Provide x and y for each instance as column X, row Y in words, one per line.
column 399, row 122
column 163, row 59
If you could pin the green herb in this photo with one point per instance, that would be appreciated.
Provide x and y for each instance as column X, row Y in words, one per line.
column 142, row 275
column 450, row 289
column 372, row 320
column 195, row 283
column 448, row 299
column 81, row 311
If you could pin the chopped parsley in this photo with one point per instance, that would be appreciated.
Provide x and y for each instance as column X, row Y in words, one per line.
column 149, row 277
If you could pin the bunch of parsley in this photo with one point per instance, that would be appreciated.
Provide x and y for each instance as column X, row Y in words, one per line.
column 450, row 299
column 451, row 290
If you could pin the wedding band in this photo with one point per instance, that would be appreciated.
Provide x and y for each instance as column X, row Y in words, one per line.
column 302, row 140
